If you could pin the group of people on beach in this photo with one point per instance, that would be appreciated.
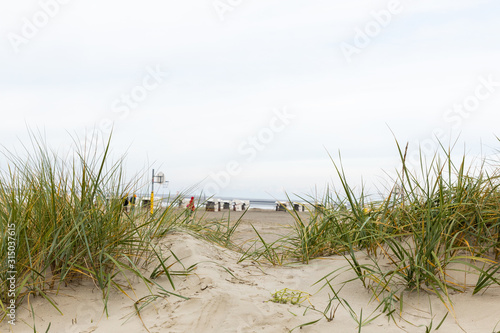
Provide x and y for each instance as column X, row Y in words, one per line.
column 129, row 203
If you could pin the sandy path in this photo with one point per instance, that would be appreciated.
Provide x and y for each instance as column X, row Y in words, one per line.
column 270, row 224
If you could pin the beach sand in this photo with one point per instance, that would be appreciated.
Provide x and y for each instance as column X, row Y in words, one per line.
column 241, row 301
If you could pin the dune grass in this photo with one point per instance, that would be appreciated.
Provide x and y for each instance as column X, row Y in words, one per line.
column 218, row 231
column 437, row 230
column 444, row 219
column 434, row 225
column 69, row 223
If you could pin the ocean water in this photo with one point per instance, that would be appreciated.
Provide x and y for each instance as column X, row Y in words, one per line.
column 263, row 204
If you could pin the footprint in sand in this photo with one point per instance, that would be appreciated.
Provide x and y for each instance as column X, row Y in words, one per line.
column 87, row 314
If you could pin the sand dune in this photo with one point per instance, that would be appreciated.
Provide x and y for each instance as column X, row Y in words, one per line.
column 241, row 301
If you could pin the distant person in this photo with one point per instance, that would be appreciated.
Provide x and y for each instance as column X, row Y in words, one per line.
column 133, row 199
column 190, row 207
column 125, row 203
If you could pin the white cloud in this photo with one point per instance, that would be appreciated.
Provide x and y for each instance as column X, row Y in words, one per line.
column 225, row 76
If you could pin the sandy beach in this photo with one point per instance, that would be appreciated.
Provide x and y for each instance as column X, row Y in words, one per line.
column 352, row 146
column 226, row 296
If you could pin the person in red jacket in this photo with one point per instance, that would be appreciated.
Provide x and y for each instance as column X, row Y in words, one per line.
column 190, row 207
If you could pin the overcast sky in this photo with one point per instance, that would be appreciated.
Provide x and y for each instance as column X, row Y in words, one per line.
column 250, row 96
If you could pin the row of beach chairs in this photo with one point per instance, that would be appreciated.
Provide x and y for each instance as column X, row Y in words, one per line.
column 217, row 205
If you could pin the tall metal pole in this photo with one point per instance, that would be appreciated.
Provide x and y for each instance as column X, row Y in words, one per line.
column 152, row 190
